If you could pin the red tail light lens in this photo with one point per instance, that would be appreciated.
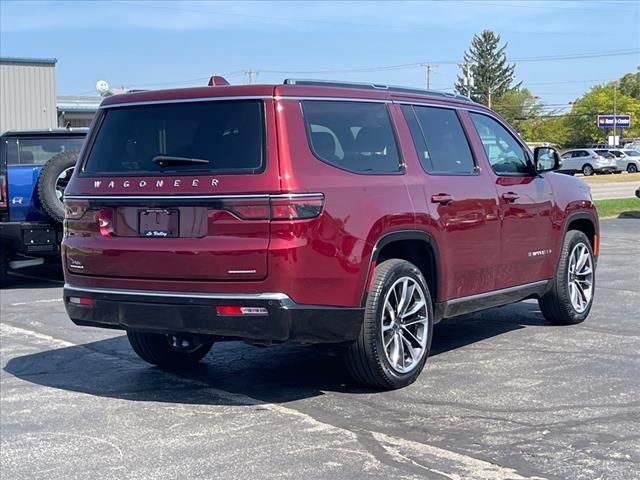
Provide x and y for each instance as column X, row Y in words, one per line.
column 3, row 192
column 233, row 310
column 278, row 207
column 84, row 301
column 296, row 207
column 105, row 222
column 75, row 209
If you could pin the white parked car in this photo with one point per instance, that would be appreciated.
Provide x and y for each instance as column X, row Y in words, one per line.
column 627, row 159
column 588, row 161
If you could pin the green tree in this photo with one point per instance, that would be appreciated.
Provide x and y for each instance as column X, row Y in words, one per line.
column 600, row 100
column 487, row 62
column 629, row 84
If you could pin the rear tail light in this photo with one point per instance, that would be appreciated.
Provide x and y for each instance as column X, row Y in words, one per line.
column 285, row 207
column 237, row 310
column 3, row 192
column 296, row 208
column 105, row 222
column 75, row 209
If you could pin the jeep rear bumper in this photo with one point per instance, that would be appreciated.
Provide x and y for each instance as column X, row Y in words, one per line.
column 196, row 313
column 31, row 238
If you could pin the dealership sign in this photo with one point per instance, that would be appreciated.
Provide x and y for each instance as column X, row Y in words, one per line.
column 610, row 121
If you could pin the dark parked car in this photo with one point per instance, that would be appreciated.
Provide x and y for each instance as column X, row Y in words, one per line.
column 35, row 167
column 311, row 212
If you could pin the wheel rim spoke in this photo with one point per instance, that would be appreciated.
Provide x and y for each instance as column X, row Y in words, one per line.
column 404, row 324
column 580, row 277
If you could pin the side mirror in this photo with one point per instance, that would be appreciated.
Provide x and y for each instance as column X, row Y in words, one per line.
column 546, row 159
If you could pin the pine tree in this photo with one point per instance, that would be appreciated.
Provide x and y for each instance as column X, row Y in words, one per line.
column 487, row 62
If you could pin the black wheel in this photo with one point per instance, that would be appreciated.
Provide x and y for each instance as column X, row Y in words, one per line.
column 53, row 180
column 171, row 351
column 632, row 168
column 4, row 266
column 570, row 298
column 587, row 170
column 394, row 342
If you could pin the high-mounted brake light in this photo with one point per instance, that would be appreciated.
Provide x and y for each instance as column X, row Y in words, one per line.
column 3, row 192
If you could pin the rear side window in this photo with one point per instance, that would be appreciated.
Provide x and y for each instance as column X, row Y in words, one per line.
column 354, row 136
column 38, row 151
column 216, row 136
column 439, row 140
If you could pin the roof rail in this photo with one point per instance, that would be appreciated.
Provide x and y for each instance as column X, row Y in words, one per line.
column 374, row 86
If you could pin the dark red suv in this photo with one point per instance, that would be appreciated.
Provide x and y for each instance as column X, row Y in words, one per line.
column 313, row 212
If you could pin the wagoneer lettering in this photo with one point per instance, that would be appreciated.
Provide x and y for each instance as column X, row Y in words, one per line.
column 352, row 215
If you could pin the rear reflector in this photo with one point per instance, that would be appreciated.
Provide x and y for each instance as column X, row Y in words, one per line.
column 237, row 310
column 81, row 301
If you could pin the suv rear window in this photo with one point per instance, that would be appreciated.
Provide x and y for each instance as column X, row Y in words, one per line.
column 38, row 151
column 354, row 136
column 216, row 136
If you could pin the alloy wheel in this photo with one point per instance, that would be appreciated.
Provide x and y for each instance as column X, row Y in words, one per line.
column 62, row 181
column 580, row 279
column 405, row 322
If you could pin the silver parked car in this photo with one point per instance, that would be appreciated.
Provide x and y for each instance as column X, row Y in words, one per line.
column 588, row 161
column 627, row 159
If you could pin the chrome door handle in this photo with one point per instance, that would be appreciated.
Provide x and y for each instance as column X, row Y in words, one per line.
column 510, row 197
column 441, row 198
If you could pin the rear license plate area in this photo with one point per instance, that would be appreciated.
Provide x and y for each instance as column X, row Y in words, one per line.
column 159, row 222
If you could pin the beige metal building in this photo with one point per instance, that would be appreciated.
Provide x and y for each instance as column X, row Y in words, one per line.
column 27, row 93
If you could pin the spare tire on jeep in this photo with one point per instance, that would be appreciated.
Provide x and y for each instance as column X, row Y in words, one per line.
column 53, row 179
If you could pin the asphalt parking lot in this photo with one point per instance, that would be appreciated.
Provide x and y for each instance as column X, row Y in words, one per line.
column 504, row 396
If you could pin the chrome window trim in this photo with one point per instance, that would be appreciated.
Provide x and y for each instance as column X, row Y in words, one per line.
column 160, row 293
column 333, row 99
column 184, row 100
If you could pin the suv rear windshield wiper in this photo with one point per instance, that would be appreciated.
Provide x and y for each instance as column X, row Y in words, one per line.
column 169, row 161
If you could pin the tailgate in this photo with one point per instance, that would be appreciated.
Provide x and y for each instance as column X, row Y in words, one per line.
column 175, row 191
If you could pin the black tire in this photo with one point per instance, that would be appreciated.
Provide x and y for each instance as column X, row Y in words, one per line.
column 155, row 348
column 366, row 359
column 4, row 266
column 587, row 170
column 48, row 183
column 556, row 304
column 632, row 168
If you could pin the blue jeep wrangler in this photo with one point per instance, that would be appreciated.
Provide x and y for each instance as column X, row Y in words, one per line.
column 35, row 167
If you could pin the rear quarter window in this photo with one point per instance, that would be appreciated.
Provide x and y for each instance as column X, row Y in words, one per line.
column 222, row 136
column 353, row 136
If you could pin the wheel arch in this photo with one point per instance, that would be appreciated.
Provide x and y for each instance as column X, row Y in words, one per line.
column 585, row 223
column 415, row 246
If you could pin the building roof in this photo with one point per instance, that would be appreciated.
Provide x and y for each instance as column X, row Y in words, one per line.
column 29, row 61
column 77, row 103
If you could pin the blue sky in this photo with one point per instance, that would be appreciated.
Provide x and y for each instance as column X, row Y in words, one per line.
column 164, row 43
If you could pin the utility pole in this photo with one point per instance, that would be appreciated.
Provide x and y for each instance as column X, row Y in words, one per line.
column 467, row 80
column 249, row 75
column 428, row 67
column 615, row 118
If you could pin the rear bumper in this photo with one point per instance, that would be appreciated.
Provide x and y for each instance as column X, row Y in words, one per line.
column 606, row 169
column 189, row 312
column 31, row 238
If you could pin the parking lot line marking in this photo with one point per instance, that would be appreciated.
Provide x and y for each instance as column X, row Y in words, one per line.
column 48, row 300
column 10, row 329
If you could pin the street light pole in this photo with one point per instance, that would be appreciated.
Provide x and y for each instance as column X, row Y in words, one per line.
column 615, row 118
